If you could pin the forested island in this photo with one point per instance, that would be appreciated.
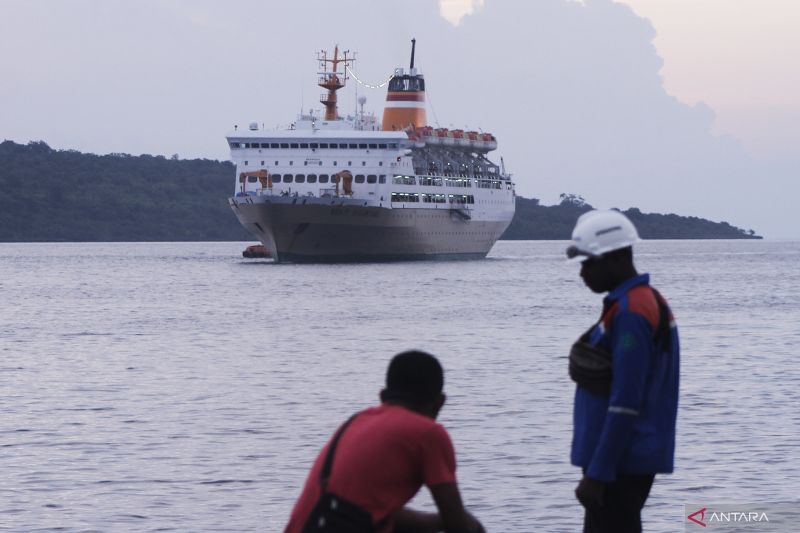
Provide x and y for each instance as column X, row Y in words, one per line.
column 49, row 195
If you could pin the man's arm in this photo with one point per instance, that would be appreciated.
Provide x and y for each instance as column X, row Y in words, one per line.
column 455, row 519
column 410, row 521
column 631, row 339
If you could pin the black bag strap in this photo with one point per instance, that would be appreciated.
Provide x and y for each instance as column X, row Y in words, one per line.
column 325, row 473
column 663, row 336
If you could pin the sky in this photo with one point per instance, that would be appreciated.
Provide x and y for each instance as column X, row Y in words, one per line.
column 685, row 106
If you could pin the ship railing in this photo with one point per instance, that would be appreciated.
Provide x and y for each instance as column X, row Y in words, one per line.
column 328, row 193
column 489, row 184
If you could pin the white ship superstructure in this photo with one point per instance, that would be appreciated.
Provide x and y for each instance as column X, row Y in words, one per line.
column 333, row 188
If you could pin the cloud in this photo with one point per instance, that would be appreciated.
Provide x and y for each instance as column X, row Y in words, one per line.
column 572, row 90
column 455, row 10
column 574, row 93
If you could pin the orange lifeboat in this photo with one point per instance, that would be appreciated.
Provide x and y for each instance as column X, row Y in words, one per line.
column 255, row 251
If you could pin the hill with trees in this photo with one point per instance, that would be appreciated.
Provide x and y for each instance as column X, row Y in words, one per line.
column 535, row 221
column 49, row 195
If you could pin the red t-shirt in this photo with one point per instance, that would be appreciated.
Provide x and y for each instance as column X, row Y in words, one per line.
column 383, row 458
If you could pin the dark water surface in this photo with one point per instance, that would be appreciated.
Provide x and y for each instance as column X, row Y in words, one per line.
column 176, row 386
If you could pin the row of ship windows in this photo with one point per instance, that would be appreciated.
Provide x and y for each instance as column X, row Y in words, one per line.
column 430, row 181
column 305, row 163
column 314, row 146
column 322, row 178
column 433, row 198
column 372, row 178
column 449, row 182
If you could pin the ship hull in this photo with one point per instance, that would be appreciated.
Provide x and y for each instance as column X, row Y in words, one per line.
column 316, row 230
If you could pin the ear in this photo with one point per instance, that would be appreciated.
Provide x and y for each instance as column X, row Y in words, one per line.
column 437, row 404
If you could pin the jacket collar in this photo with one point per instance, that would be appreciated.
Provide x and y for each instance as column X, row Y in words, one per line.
column 620, row 290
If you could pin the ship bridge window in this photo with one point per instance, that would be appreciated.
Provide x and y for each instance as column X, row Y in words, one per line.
column 234, row 145
column 303, row 145
column 334, row 146
column 359, row 178
column 284, row 145
column 382, row 145
column 323, row 145
column 323, row 178
column 406, row 83
column 393, row 146
column 274, row 145
column 314, row 145
column 287, row 178
column 300, row 178
column 373, row 146
column 372, row 178
column 264, row 145
column 293, row 145
column 353, row 145
column 312, row 178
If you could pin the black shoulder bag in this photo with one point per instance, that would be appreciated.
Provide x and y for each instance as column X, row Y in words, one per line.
column 590, row 366
column 332, row 514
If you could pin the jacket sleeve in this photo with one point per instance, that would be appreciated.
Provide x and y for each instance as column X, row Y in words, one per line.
column 631, row 348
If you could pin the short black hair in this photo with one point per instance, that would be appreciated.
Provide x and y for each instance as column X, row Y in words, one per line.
column 414, row 377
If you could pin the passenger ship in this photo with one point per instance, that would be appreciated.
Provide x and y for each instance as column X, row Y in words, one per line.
column 334, row 189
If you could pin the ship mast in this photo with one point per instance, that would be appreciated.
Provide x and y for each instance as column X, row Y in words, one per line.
column 331, row 80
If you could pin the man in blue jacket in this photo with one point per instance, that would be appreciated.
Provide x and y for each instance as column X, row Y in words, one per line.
column 626, row 367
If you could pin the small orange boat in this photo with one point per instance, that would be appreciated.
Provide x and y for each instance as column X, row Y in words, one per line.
column 254, row 251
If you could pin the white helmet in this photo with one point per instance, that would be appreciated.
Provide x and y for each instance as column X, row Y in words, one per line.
column 599, row 232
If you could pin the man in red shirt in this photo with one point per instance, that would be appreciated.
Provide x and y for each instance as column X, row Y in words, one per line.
column 386, row 453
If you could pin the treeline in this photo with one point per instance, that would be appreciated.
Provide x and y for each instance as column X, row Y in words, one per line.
column 535, row 221
column 51, row 195
column 65, row 195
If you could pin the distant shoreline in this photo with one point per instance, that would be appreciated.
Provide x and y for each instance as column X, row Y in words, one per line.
column 80, row 197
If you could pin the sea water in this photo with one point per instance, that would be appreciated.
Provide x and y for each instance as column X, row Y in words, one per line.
column 177, row 386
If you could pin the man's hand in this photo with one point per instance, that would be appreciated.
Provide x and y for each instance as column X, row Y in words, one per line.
column 410, row 521
column 590, row 493
column 451, row 509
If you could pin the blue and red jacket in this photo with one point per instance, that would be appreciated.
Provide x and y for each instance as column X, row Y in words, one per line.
column 631, row 431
